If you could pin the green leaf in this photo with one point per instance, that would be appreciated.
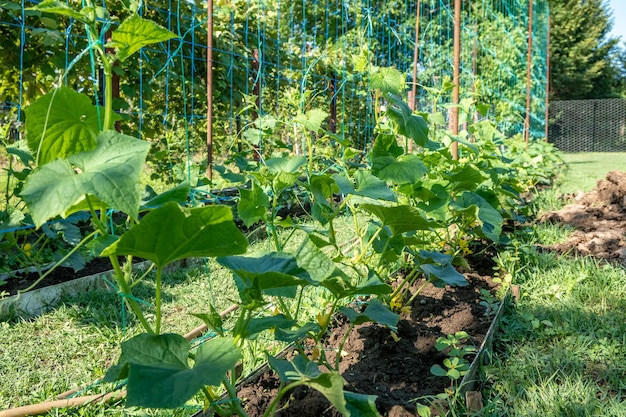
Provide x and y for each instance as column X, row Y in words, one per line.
column 110, row 173
column 319, row 266
column 294, row 335
column 342, row 286
column 400, row 219
column 367, row 185
column 178, row 194
column 62, row 9
column 159, row 375
column 408, row 124
column 438, row 371
column 253, row 205
column 312, row 120
column 259, row 324
column 61, row 123
column 388, row 80
column 375, row 312
column 384, row 152
column 361, row 405
column 18, row 149
column 134, row 33
column 466, row 177
column 408, row 169
column 290, row 165
column 170, row 233
column 491, row 220
column 275, row 273
column 300, row 369
column 442, row 275
column 213, row 320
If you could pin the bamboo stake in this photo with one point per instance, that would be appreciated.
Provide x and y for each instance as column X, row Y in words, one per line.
column 529, row 61
column 454, row 111
column 209, row 90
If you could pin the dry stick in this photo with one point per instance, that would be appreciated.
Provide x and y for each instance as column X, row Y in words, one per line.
column 41, row 408
column 44, row 407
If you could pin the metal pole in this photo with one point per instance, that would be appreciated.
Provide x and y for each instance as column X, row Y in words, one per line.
column 209, row 91
column 548, row 57
column 454, row 112
column 528, row 71
column 413, row 93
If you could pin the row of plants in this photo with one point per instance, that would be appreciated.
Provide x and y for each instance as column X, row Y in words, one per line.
column 419, row 212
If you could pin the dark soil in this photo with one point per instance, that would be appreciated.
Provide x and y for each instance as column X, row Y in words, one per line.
column 397, row 372
column 61, row 274
column 599, row 220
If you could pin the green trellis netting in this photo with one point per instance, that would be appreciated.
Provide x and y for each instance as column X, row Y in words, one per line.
column 274, row 59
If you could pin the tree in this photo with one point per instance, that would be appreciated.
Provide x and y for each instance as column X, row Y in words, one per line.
column 581, row 51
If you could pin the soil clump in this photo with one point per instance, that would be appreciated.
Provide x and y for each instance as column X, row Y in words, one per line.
column 598, row 219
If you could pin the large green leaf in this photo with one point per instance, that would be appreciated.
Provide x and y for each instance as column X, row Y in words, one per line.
column 375, row 312
column 179, row 194
column 253, row 205
column 134, row 33
column 400, row 219
column 473, row 205
column 170, row 233
column 275, row 273
column 466, row 178
column 287, row 164
column 61, row 123
column 408, row 169
column 361, row 405
column 408, row 124
column 442, row 275
column 259, row 324
column 367, row 186
column 312, row 120
column 388, row 80
column 159, row 375
column 58, row 8
column 384, row 152
column 110, row 173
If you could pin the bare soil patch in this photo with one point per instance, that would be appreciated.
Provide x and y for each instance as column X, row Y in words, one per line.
column 599, row 220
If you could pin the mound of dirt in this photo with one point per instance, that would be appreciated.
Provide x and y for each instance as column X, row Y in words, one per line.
column 599, row 218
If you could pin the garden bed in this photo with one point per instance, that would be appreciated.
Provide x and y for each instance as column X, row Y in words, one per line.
column 374, row 362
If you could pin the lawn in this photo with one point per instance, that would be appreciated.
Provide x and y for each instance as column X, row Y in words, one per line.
column 586, row 168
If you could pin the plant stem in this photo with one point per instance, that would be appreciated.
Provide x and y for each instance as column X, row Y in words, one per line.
column 408, row 279
column 343, row 342
column 120, row 277
column 70, row 253
column 157, row 325
column 419, row 290
column 232, row 393
column 271, row 410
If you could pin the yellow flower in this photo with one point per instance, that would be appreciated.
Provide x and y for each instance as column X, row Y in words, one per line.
column 27, row 248
column 396, row 303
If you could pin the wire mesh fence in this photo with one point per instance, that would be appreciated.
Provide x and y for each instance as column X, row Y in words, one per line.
column 588, row 125
column 273, row 59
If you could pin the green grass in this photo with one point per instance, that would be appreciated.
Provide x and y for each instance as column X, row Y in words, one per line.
column 586, row 168
column 561, row 350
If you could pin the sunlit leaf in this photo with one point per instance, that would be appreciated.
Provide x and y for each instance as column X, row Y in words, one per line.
column 110, row 173
column 61, row 123
column 170, row 233
column 134, row 33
